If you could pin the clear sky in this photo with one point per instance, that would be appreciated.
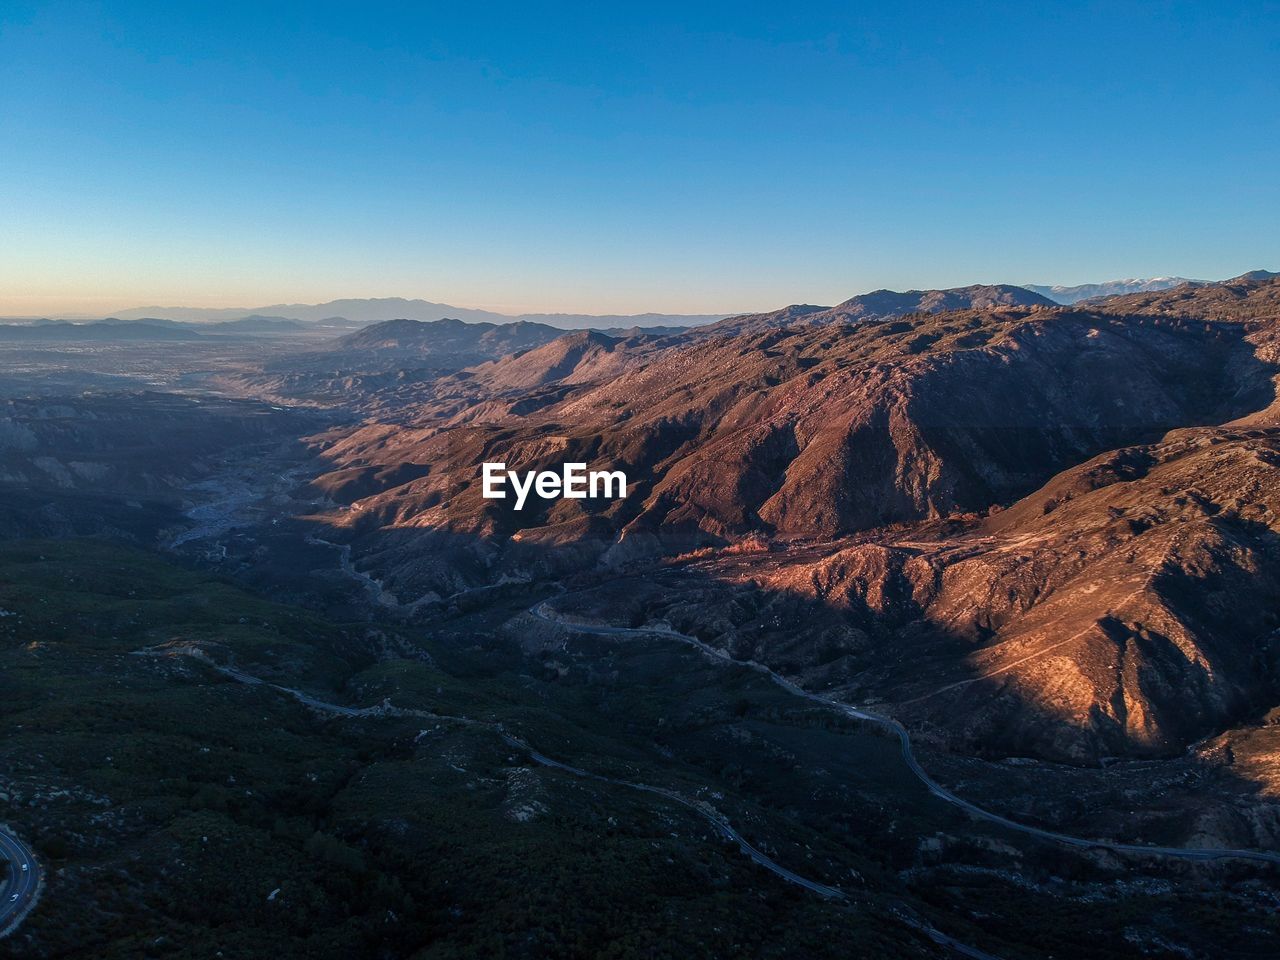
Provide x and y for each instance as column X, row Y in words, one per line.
column 691, row 157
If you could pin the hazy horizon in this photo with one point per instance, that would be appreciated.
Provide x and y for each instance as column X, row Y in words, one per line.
column 228, row 308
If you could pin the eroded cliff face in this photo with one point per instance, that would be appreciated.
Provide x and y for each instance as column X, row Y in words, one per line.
column 1128, row 607
column 1036, row 531
column 811, row 433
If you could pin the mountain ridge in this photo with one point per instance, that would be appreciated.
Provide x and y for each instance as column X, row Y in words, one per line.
column 380, row 309
column 1139, row 432
column 1068, row 294
column 879, row 305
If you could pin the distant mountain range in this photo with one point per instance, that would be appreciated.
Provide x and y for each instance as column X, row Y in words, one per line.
column 153, row 328
column 378, row 309
column 250, row 324
column 336, row 317
column 1109, row 288
column 98, row 331
column 884, row 305
column 352, row 313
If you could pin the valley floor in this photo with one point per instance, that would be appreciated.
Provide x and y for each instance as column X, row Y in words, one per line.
column 556, row 771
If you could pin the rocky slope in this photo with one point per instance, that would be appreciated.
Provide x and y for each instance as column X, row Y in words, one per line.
column 1097, row 565
column 1250, row 296
column 812, row 433
column 1127, row 607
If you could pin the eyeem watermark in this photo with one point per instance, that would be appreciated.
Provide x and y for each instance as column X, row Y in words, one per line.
column 573, row 482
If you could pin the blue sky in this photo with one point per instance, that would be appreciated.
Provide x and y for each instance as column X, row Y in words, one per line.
column 684, row 157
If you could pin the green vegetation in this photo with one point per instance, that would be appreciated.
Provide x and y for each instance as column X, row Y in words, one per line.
column 170, row 802
column 181, row 813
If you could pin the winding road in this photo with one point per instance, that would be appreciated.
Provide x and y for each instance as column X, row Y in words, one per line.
column 19, row 893
column 542, row 611
column 708, row 813
column 725, row 829
column 718, row 822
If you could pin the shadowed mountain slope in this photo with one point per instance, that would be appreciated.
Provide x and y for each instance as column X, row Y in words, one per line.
column 812, row 432
column 453, row 337
column 1127, row 607
column 1135, row 454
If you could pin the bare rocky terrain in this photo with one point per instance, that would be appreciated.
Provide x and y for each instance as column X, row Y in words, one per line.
column 883, row 305
column 1041, row 539
column 1057, row 519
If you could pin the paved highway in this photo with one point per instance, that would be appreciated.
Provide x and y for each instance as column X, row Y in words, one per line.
column 544, row 612
column 19, row 892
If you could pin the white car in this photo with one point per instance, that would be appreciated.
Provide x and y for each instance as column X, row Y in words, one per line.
column 25, row 867
column 14, row 898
